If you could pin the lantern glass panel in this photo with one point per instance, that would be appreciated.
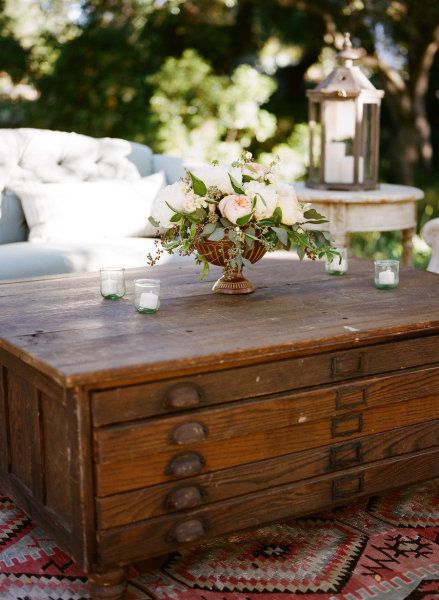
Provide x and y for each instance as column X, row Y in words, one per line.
column 368, row 143
column 315, row 141
column 339, row 117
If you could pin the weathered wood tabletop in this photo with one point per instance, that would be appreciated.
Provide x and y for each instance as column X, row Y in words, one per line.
column 63, row 327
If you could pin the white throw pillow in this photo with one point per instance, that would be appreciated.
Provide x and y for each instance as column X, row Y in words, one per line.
column 89, row 210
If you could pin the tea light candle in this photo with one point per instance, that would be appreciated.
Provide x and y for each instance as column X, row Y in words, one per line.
column 148, row 300
column 113, row 283
column 339, row 263
column 386, row 274
column 386, row 277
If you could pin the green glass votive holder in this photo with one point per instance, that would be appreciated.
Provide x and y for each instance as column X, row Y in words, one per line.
column 113, row 283
column 386, row 274
column 147, row 296
column 339, row 264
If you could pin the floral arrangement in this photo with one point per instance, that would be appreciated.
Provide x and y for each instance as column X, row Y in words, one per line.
column 244, row 204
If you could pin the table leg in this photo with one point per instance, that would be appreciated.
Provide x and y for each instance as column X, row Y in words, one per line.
column 407, row 245
column 108, row 585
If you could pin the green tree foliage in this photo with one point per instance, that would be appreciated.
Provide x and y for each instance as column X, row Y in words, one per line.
column 13, row 57
column 209, row 116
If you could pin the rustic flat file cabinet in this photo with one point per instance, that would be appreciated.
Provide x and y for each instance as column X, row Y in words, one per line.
column 127, row 436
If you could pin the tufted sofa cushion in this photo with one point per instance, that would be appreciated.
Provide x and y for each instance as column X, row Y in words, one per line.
column 54, row 156
column 28, row 155
column 57, row 156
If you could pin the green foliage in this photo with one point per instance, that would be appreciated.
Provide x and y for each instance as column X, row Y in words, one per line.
column 198, row 113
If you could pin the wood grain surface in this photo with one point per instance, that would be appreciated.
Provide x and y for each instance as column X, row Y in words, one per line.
column 62, row 326
column 126, row 544
column 123, row 509
column 139, row 470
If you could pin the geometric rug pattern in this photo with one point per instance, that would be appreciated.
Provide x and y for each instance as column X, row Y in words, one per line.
column 385, row 547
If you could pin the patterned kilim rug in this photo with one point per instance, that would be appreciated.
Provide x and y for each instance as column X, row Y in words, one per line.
column 385, row 548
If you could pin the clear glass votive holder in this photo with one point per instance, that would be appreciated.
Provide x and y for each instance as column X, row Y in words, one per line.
column 339, row 264
column 147, row 295
column 386, row 274
column 113, row 283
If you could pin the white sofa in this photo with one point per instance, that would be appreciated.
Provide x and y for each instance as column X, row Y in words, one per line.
column 430, row 233
column 54, row 156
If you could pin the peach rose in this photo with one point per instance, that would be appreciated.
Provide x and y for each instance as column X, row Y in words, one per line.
column 235, row 206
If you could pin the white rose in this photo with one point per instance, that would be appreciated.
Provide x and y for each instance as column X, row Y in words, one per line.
column 235, row 206
column 288, row 203
column 172, row 194
column 192, row 201
column 218, row 176
column 266, row 198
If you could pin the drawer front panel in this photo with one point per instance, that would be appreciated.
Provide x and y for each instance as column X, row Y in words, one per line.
column 165, row 534
column 185, row 393
column 142, row 471
column 123, row 509
column 116, row 443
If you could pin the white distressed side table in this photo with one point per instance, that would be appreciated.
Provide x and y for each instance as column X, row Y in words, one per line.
column 388, row 208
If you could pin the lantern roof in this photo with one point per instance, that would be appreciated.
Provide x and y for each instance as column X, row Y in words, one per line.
column 347, row 80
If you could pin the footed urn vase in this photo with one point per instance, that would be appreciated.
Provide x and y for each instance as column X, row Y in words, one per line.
column 218, row 253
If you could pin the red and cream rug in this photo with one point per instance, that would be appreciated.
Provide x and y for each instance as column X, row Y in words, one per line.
column 384, row 548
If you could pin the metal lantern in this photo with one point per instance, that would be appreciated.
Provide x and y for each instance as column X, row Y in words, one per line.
column 344, row 118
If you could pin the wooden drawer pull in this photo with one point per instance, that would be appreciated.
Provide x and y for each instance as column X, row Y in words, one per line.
column 188, row 531
column 183, row 395
column 185, row 464
column 185, row 497
column 190, row 433
column 345, row 455
column 345, row 487
column 347, row 364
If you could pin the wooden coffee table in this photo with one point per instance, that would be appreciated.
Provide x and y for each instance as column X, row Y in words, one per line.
column 127, row 436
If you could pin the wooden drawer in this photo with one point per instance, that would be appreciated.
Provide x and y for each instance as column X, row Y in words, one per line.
column 141, row 401
column 179, row 432
column 165, row 534
column 139, row 471
column 129, row 507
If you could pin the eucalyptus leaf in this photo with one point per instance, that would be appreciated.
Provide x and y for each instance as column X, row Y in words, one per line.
column 235, row 185
column 226, row 223
column 199, row 186
column 153, row 222
column 208, row 229
column 217, row 235
column 246, row 263
column 301, row 252
column 282, row 235
column 232, row 235
column 249, row 241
